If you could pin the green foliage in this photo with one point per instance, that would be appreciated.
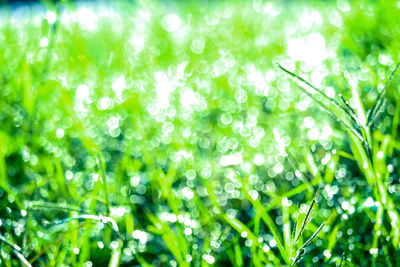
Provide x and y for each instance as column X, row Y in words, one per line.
column 165, row 134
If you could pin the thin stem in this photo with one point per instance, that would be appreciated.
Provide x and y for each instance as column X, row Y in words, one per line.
column 16, row 249
column 332, row 100
column 373, row 114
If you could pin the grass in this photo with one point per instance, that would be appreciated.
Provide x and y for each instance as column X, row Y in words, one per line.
column 165, row 134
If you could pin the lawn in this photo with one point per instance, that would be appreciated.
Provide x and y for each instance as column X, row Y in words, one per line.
column 200, row 133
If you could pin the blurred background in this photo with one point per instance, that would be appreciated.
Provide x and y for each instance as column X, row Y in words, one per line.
column 163, row 133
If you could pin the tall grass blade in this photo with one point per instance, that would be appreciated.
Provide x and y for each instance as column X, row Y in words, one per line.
column 330, row 100
column 307, row 218
column 379, row 102
column 339, row 120
column 353, row 116
column 302, row 250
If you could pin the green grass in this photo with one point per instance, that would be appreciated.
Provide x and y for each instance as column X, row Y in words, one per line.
column 193, row 133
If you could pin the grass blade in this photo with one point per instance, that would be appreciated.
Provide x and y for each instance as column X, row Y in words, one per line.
column 339, row 120
column 307, row 218
column 379, row 102
column 330, row 100
column 99, row 218
column 17, row 251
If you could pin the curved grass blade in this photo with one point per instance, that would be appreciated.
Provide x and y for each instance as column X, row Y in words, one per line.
column 307, row 218
column 17, row 251
column 99, row 218
column 379, row 102
column 331, row 100
column 339, row 120
column 353, row 116
column 57, row 206
column 302, row 250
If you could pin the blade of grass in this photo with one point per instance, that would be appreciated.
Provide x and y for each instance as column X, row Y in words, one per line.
column 116, row 255
column 238, row 253
column 302, row 249
column 330, row 100
column 16, row 250
column 308, row 215
column 379, row 102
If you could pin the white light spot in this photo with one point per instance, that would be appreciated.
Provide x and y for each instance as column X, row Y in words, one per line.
column 345, row 205
column 172, row 218
column 118, row 86
column 311, row 49
column 60, row 133
column 326, row 132
column 188, row 258
column 272, row 243
column 113, row 122
column 118, row 212
column 135, row 180
column 171, row 23
column 380, row 155
column 208, row 258
column 187, row 193
column 258, row 159
column 373, row 251
column 105, row 103
column 330, row 92
column 253, row 194
column 188, row 231
column 286, row 202
column 309, row 122
column 141, row 235
column 243, row 234
column 189, row 98
column 44, row 42
column 278, row 168
column 385, row 60
column 390, row 167
column 69, row 175
column 76, row 251
column 51, row 17
column 114, row 245
column 163, row 89
column 313, row 134
column 87, row 19
column 100, row 244
column 266, row 248
column 262, row 7
column 95, row 177
column 82, row 92
column 343, row 5
column 137, row 41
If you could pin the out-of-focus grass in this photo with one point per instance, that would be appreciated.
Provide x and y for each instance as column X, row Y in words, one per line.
column 164, row 134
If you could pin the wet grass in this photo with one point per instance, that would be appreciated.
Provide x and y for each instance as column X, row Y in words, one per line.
column 165, row 134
